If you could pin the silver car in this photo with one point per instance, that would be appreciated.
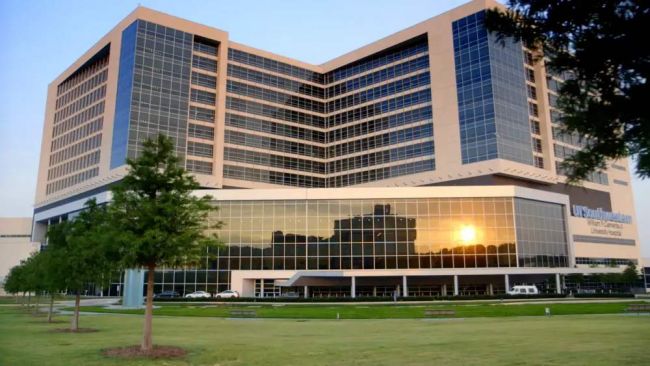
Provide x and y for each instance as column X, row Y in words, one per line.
column 198, row 295
column 227, row 294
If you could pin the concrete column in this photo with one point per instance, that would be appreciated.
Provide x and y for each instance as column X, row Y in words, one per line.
column 490, row 289
column 374, row 291
column 455, row 285
column 306, row 292
column 133, row 288
column 405, row 289
column 558, row 285
column 443, row 290
column 398, row 291
column 507, row 282
column 262, row 288
column 353, row 288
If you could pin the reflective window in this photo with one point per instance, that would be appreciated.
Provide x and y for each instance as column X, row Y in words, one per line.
column 153, row 88
column 541, row 234
column 385, row 234
column 492, row 94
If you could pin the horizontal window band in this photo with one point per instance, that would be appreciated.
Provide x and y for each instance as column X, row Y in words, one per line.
column 601, row 240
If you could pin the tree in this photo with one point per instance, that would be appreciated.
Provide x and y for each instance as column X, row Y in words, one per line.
column 35, row 276
column 82, row 253
column 55, row 263
column 612, row 263
column 52, row 280
column 630, row 274
column 157, row 219
column 599, row 46
column 30, row 278
column 40, row 273
column 13, row 283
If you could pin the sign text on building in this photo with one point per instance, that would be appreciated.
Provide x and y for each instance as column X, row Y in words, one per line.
column 600, row 214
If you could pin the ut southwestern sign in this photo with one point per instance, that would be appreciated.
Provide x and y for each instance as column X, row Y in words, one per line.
column 599, row 214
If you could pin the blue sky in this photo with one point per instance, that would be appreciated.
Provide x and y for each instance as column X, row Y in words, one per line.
column 41, row 38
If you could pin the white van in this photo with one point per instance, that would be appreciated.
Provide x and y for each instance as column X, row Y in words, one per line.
column 524, row 290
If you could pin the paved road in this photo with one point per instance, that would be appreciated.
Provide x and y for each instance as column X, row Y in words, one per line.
column 102, row 301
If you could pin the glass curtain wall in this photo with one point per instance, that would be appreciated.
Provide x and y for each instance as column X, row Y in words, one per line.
column 422, row 233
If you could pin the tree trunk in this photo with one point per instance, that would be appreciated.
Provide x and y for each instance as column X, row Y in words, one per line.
column 29, row 300
column 147, row 341
column 37, row 298
column 49, row 314
column 23, row 302
column 75, row 318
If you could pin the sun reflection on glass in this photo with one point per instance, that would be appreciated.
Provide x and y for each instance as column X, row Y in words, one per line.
column 467, row 234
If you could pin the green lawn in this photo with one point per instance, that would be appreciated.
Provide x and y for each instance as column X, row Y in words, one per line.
column 375, row 311
column 42, row 299
column 565, row 340
column 8, row 300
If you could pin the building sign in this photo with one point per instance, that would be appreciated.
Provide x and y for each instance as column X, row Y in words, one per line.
column 600, row 214
column 602, row 222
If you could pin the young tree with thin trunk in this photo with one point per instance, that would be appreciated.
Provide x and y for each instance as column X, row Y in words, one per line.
column 31, row 279
column 13, row 283
column 82, row 253
column 54, row 261
column 36, row 277
column 157, row 220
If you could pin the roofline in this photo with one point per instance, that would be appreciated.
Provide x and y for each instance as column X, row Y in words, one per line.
column 141, row 12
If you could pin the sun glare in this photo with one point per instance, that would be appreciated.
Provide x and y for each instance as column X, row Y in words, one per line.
column 467, row 234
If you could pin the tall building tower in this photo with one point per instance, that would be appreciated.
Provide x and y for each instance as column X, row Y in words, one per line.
column 437, row 104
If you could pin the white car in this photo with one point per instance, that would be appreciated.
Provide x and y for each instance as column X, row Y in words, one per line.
column 227, row 294
column 198, row 295
column 524, row 290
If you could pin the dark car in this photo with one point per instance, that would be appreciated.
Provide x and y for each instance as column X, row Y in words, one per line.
column 166, row 295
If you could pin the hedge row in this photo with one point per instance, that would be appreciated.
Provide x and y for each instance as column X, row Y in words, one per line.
column 384, row 299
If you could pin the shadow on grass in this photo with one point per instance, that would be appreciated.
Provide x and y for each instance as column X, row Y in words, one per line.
column 55, row 321
column 68, row 330
column 158, row 352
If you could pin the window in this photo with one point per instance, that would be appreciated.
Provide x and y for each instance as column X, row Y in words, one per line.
column 556, row 117
column 552, row 100
column 204, row 63
column 532, row 92
column 532, row 109
column 204, row 97
column 534, row 127
column 528, row 58
column 537, row 145
column 205, row 45
column 199, row 149
column 539, row 161
column 199, row 131
column 204, row 80
column 553, row 84
column 530, row 75
column 201, row 167
column 201, row 114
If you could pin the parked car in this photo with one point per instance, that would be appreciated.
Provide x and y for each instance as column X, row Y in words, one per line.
column 166, row 295
column 524, row 290
column 198, row 295
column 227, row 294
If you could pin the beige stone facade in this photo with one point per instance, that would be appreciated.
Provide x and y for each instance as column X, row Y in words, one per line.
column 15, row 244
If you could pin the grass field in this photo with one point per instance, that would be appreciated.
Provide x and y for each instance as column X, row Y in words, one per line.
column 375, row 311
column 565, row 340
column 8, row 299
column 42, row 299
